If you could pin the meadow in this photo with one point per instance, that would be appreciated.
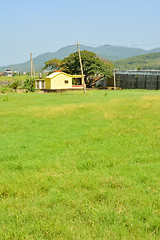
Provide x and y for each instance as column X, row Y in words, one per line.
column 80, row 166
column 20, row 78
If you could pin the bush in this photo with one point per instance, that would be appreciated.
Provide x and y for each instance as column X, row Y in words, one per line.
column 29, row 85
column 3, row 90
column 15, row 84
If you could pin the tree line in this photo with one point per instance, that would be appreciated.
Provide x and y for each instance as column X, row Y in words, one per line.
column 143, row 62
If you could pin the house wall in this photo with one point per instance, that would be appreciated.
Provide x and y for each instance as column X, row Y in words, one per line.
column 58, row 82
column 47, row 83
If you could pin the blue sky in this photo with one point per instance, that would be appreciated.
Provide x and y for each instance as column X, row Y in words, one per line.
column 45, row 26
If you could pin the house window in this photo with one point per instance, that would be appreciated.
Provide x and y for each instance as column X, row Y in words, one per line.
column 79, row 81
column 76, row 81
column 66, row 81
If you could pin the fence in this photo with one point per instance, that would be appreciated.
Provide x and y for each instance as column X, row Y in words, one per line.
column 138, row 80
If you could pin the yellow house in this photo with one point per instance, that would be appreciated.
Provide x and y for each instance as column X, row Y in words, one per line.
column 60, row 80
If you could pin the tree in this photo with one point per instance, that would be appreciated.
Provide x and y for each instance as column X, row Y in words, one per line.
column 93, row 66
column 53, row 63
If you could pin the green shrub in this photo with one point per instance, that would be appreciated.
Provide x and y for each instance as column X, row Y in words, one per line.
column 29, row 85
column 15, row 84
column 3, row 90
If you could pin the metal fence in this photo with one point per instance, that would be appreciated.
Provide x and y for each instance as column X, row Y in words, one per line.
column 138, row 79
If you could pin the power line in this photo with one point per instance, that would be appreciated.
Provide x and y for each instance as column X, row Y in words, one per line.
column 140, row 44
column 123, row 45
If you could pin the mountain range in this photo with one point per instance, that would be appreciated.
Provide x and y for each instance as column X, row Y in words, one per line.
column 109, row 52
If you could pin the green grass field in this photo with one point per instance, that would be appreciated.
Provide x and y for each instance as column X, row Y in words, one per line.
column 80, row 166
column 20, row 78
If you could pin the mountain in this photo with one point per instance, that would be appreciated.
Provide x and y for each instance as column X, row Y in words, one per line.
column 146, row 61
column 106, row 51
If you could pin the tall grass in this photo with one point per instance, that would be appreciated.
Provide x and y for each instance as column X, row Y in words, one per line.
column 80, row 166
column 16, row 77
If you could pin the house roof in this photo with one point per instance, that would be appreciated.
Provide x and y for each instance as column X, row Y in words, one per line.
column 52, row 75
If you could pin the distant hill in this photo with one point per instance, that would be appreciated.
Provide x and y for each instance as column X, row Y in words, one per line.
column 107, row 51
column 146, row 61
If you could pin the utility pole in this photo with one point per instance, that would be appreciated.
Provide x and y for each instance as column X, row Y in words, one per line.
column 80, row 60
column 114, row 75
column 33, row 69
column 31, row 63
column 32, row 66
column 11, row 72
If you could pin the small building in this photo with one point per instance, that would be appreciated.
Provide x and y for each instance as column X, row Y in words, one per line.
column 104, row 82
column 60, row 80
column 7, row 73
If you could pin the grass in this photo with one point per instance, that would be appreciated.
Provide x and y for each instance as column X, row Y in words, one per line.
column 20, row 78
column 80, row 166
column 6, row 88
column 16, row 77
